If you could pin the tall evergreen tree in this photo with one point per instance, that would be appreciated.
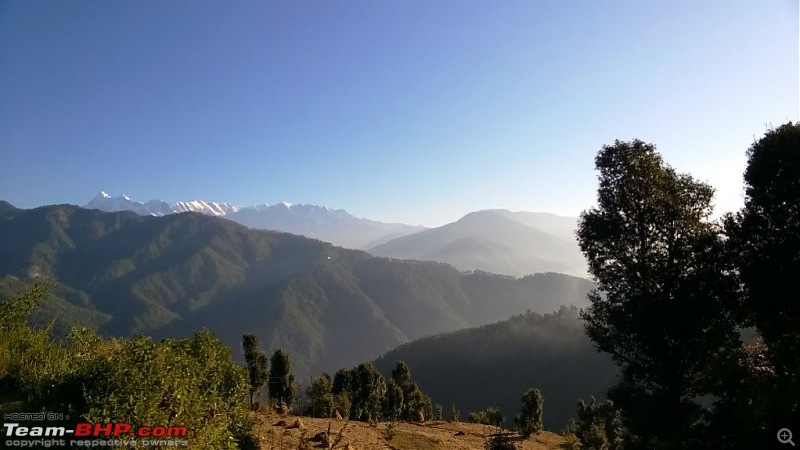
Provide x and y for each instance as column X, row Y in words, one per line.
column 401, row 374
column 529, row 419
column 393, row 402
column 342, row 381
column 342, row 390
column 369, row 389
column 322, row 401
column 663, row 287
column 256, row 362
column 765, row 238
column 414, row 401
column 281, row 379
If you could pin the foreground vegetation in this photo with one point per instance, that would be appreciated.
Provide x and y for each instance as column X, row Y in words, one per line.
column 190, row 383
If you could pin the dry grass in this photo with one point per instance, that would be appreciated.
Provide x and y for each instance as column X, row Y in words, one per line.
column 432, row 435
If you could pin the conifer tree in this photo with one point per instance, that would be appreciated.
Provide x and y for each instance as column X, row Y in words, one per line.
column 529, row 419
column 256, row 363
column 281, row 379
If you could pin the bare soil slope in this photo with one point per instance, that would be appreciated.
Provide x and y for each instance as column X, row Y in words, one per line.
column 275, row 432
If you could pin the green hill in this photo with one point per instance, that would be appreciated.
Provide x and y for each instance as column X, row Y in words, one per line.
column 123, row 274
column 494, row 364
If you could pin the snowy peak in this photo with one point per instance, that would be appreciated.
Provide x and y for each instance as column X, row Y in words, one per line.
column 320, row 222
column 104, row 202
column 210, row 208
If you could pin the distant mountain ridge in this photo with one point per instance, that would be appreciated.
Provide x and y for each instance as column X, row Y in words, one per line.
column 123, row 273
column 499, row 241
column 336, row 226
column 516, row 243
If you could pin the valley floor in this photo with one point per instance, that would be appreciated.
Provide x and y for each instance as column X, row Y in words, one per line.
column 275, row 432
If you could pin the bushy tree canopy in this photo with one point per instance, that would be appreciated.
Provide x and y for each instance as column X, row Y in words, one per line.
column 663, row 291
column 765, row 241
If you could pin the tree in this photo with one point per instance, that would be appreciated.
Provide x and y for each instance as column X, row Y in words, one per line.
column 322, row 400
column 414, row 401
column 401, row 375
column 342, row 381
column 281, row 380
column 393, row 402
column 765, row 239
column 489, row 416
column 663, row 291
column 369, row 389
column 256, row 362
column 342, row 390
column 529, row 419
column 418, row 405
column 600, row 425
column 454, row 415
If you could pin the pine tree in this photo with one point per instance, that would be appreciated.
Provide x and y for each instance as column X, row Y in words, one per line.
column 529, row 419
column 369, row 389
column 393, row 403
column 281, row 380
column 256, row 363
column 322, row 400
column 454, row 415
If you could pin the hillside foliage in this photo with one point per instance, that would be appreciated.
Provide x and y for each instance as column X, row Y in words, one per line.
column 190, row 382
column 493, row 365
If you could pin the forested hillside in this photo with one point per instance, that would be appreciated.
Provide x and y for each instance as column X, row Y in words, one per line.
column 121, row 274
column 492, row 365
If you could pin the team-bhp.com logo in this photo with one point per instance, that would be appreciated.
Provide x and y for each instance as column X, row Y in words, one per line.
column 122, row 434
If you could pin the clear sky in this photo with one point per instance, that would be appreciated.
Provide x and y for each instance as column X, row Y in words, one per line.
column 412, row 111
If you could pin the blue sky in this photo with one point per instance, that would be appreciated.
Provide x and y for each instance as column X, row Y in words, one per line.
column 412, row 111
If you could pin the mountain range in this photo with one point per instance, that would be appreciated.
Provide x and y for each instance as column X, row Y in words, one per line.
column 320, row 222
column 498, row 241
column 124, row 273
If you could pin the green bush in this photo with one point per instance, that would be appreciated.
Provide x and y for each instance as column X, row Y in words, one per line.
column 190, row 383
column 489, row 416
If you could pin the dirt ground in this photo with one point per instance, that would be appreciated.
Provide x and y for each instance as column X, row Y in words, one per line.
column 275, row 432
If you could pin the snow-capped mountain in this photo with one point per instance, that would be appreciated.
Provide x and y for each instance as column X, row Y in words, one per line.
column 333, row 225
column 105, row 202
